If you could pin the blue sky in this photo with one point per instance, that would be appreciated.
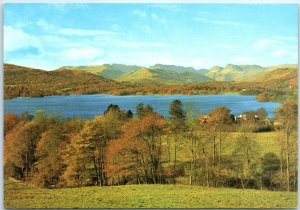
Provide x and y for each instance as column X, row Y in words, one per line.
column 49, row 36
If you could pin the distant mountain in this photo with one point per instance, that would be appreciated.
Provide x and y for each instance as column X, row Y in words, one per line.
column 178, row 69
column 110, row 71
column 243, row 72
column 234, row 72
column 155, row 75
column 203, row 71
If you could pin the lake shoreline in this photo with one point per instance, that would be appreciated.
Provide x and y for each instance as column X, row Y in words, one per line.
column 89, row 105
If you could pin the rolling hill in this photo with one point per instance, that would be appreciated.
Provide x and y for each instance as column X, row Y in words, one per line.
column 178, row 69
column 284, row 74
column 110, row 71
column 234, row 72
column 148, row 75
column 23, row 81
column 243, row 72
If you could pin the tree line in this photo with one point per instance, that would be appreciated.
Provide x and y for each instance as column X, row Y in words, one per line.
column 119, row 148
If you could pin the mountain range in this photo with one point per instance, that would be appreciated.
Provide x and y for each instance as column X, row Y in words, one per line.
column 25, row 82
column 171, row 74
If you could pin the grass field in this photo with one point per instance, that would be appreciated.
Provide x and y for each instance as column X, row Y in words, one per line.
column 19, row 195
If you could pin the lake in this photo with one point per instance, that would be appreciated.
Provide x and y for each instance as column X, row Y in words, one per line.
column 87, row 106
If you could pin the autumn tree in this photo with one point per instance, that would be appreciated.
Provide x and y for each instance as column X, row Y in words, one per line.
column 136, row 155
column 95, row 137
column 76, row 161
column 245, row 153
column 19, row 147
column 219, row 122
column 49, row 166
column 10, row 121
column 287, row 116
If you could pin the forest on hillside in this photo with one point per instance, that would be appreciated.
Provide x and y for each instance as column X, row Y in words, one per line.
column 119, row 148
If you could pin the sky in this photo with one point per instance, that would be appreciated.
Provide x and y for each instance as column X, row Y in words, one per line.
column 49, row 36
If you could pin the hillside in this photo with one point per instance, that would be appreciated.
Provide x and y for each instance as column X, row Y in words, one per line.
column 23, row 81
column 178, row 69
column 110, row 71
column 19, row 195
column 244, row 72
column 286, row 75
column 148, row 75
column 234, row 72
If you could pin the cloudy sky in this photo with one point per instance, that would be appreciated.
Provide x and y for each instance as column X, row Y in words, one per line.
column 49, row 36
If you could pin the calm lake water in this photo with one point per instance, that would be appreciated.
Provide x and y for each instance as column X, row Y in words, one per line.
column 87, row 106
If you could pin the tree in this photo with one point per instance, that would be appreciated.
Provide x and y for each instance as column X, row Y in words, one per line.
column 287, row 116
column 129, row 114
column 76, row 161
column 136, row 155
column 219, row 121
column 10, row 121
column 148, row 109
column 270, row 167
column 262, row 113
column 176, row 112
column 177, row 117
column 246, row 151
column 49, row 166
column 112, row 108
column 140, row 110
column 19, row 147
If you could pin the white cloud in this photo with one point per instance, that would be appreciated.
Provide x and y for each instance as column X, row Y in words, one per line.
column 279, row 53
column 264, row 43
column 15, row 39
column 83, row 53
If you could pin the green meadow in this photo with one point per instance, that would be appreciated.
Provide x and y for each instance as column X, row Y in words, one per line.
column 19, row 195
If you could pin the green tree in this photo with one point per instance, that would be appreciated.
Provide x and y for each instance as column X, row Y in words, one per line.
column 176, row 112
column 177, row 118
column 262, row 113
column 270, row 167
column 140, row 110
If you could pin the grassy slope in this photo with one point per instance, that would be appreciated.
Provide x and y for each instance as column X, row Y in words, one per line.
column 19, row 75
column 268, row 142
column 17, row 195
column 113, row 71
column 147, row 75
column 234, row 72
column 289, row 75
column 245, row 72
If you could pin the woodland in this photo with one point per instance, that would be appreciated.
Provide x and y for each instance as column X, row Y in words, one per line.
column 119, row 148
